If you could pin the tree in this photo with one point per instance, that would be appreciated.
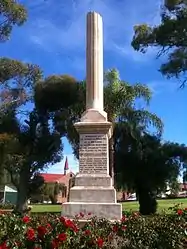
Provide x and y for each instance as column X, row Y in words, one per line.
column 17, row 81
column 31, row 149
column 170, row 37
column 146, row 165
column 50, row 191
column 62, row 100
column 11, row 13
column 64, row 110
column 8, row 127
column 120, row 98
column 25, row 147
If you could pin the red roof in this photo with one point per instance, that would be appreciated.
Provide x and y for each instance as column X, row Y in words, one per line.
column 52, row 177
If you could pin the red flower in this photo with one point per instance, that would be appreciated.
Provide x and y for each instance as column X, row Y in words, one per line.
column 71, row 225
column 81, row 215
column 26, row 219
column 99, row 242
column 41, row 231
column 115, row 228
column 62, row 219
column 55, row 244
column 62, row 237
column 179, row 212
column 87, row 232
column 4, row 246
column 124, row 228
column 48, row 226
column 89, row 213
column 123, row 218
column 30, row 234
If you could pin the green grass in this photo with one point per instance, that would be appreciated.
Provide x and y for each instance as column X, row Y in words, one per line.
column 163, row 205
column 40, row 208
column 127, row 206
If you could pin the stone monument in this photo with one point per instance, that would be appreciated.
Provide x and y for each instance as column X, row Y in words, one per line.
column 93, row 191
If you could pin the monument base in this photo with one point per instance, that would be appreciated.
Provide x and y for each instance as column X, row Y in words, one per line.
column 110, row 211
column 93, row 193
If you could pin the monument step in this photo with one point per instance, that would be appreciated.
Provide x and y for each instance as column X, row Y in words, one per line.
column 111, row 211
column 93, row 194
column 93, row 180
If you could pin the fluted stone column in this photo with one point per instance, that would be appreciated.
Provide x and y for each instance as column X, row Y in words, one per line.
column 94, row 62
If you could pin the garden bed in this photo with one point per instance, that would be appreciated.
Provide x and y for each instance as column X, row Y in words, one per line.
column 132, row 232
column 5, row 211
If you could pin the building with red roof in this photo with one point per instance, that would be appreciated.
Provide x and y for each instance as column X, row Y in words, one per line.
column 60, row 178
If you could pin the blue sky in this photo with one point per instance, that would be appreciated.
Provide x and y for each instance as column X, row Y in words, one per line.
column 54, row 38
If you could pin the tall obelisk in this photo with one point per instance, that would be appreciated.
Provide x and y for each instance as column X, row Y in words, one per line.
column 93, row 191
column 94, row 62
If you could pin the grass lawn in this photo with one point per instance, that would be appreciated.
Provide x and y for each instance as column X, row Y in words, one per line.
column 127, row 206
column 163, row 205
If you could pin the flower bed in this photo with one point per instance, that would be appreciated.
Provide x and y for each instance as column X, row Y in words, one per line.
column 132, row 232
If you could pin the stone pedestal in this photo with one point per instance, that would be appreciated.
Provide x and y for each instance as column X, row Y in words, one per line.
column 93, row 191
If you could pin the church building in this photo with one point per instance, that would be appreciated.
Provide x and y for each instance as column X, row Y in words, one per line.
column 60, row 178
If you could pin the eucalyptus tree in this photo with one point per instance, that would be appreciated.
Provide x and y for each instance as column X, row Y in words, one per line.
column 169, row 38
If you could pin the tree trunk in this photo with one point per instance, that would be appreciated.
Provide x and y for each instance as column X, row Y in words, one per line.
column 22, row 197
column 53, row 199
column 147, row 200
column 111, row 158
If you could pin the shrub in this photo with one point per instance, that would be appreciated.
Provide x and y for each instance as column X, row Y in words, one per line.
column 132, row 232
column 6, row 206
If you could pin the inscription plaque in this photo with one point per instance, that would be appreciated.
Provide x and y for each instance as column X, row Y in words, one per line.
column 93, row 153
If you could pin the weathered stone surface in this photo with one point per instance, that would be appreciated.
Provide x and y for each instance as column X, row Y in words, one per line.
column 93, row 180
column 94, row 62
column 93, row 153
column 92, row 194
column 93, row 115
column 111, row 211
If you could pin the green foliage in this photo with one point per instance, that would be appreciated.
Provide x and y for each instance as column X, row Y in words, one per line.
column 32, row 147
column 11, row 13
column 119, row 99
column 63, row 100
column 6, row 206
column 146, row 165
column 8, row 127
column 174, row 187
column 133, row 231
column 170, row 37
column 26, row 146
column 50, row 191
column 17, row 81
column 55, row 92
column 159, row 231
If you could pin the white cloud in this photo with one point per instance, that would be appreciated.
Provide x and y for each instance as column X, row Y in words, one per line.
column 63, row 27
column 165, row 86
column 59, row 167
column 127, row 51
